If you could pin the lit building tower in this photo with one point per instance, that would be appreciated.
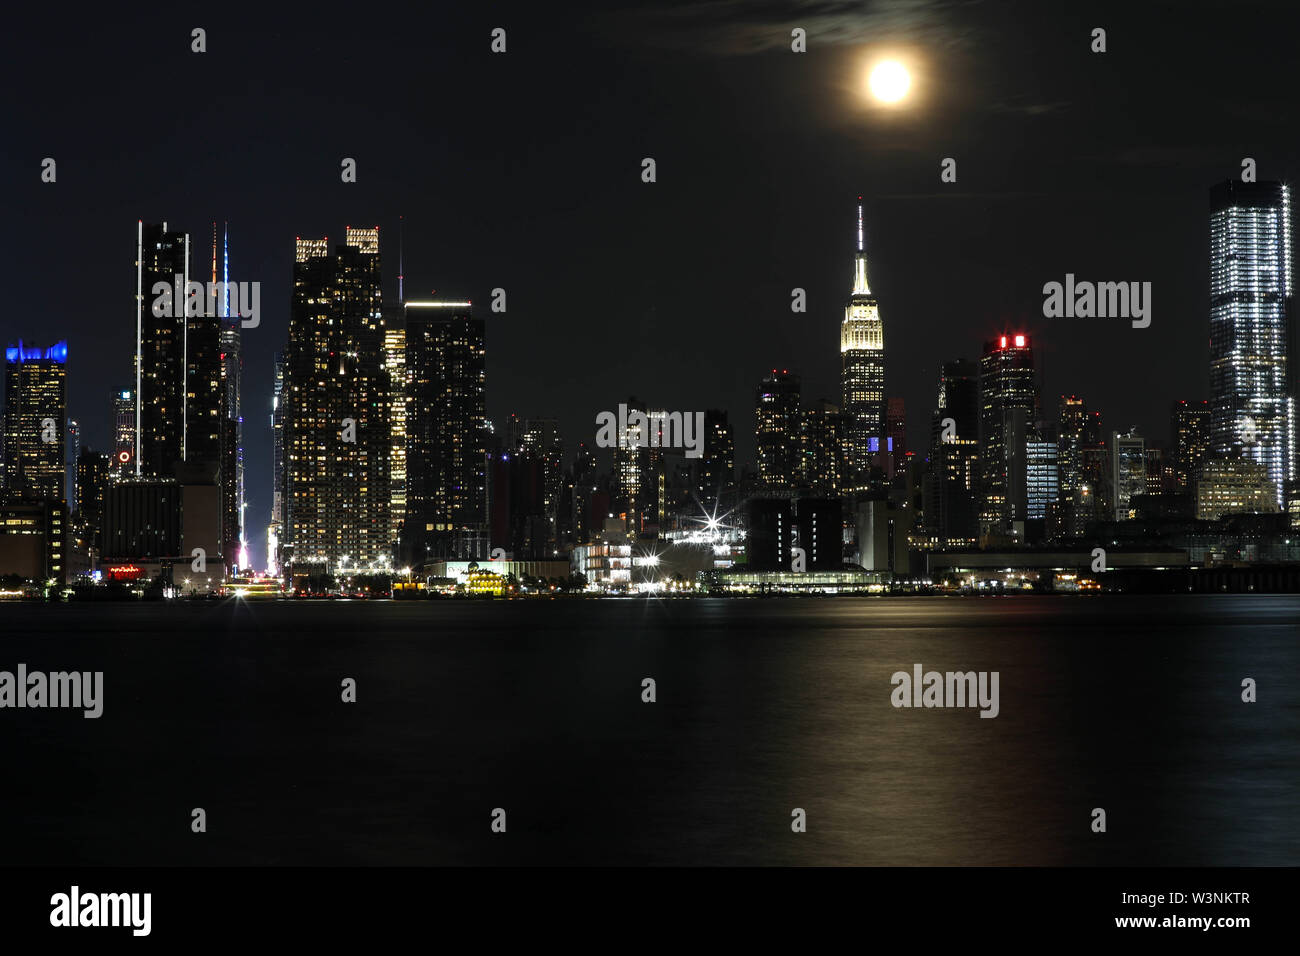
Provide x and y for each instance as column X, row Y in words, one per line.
column 124, row 412
column 70, row 470
column 232, row 359
column 1190, row 424
column 336, row 433
column 778, row 429
column 896, row 435
column 541, row 439
column 952, row 483
column 92, row 473
column 1128, row 472
column 36, row 408
column 446, row 434
column 1008, row 409
column 1252, row 331
column 1071, row 440
column 821, row 465
column 1042, row 481
column 275, row 530
column 862, row 371
column 162, row 259
column 716, row 469
column 398, row 387
column 630, row 464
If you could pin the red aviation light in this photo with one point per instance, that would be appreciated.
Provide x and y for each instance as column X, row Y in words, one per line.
column 1020, row 341
column 1003, row 343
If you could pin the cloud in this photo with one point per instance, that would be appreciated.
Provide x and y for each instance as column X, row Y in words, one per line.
column 747, row 27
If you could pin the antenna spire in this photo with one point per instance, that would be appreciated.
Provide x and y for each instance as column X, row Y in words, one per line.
column 225, row 268
column 860, row 284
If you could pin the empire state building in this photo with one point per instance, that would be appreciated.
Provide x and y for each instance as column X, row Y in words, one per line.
column 862, row 372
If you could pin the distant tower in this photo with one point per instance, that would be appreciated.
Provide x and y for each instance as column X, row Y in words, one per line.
column 716, row 471
column 232, row 370
column 862, row 371
column 279, row 494
column 1008, row 409
column 74, row 452
column 1128, row 472
column 778, row 425
column 951, row 488
column 123, row 432
column 36, row 406
column 1190, row 424
column 398, row 386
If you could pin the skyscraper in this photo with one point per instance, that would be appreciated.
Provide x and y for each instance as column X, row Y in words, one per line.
column 778, row 427
column 70, row 469
column 1008, row 407
column 446, row 433
column 1252, row 327
column 541, row 440
column 631, row 466
column 36, row 408
column 1084, row 469
column 862, row 371
column 959, row 401
column 952, row 483
column 92, row 473
column 1128, row 472
column 716, row 469
column 896, row 434
column 279, row 490
column 124, row 418
column 337, row 437
column 204, row 438
column 232, row 361
column 1042, row 481
column 1190, row 424
column 821, row 466
column 398, row 398
column 161, row 361
column 1072, row 438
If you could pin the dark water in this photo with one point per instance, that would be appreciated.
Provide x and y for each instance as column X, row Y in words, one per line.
column 1129, row 704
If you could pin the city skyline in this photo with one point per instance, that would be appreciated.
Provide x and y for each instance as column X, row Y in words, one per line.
column 862, row 307
column 588, row 253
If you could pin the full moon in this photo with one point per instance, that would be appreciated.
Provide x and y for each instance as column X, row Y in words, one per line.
column 890, row 81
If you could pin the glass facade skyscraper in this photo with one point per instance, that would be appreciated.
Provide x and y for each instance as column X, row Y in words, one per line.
column 1252, row 331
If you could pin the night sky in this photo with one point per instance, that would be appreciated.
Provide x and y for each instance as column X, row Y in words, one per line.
column 522, row 171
